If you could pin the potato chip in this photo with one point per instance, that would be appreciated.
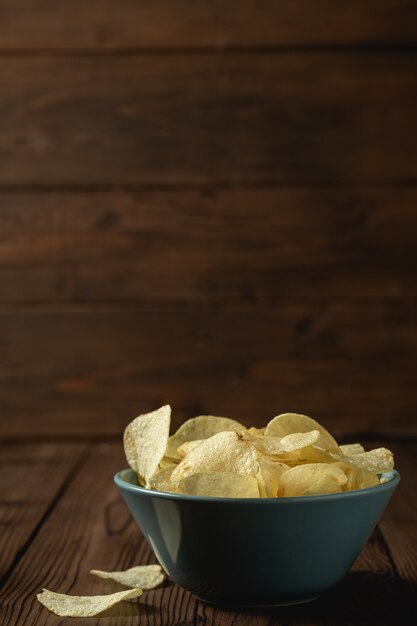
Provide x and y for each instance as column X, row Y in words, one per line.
column 187, row 446
column 312, row 479
column 141, row 576
column 375, row 461
column 83, row 606
column 201, row 427
column 350, row 449
column 256, row 431
column 145, row 441
column 161, row 480
column 365, row 479
column 269, row 477
column 167, row 462
column 281, row 445
column 288, row 423
column 220, row 485
column 225, row 452
column 314, row 454
column 357, row 478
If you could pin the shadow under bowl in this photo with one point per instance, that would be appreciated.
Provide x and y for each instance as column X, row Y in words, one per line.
column 245, row 552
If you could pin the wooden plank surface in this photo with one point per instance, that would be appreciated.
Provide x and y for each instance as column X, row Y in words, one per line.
column 164, row 23
column 32, row 478
column 399, row 525
column 252, row 245
column 186, row 119
column 91, row 527
column 88, row 371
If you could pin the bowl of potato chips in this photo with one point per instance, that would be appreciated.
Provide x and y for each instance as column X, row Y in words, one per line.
column 251, row 517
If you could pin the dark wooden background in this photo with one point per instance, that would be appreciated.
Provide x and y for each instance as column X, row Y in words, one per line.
column 212, row 204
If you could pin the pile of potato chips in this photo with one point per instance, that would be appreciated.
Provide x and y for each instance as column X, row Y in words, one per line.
column 219, row 457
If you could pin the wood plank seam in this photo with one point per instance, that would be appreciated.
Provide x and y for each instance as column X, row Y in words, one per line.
column 385, row 548
column 48, row 512
column 361, row 47
column 209, row 186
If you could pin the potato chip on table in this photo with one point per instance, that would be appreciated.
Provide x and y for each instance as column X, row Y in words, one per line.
column 83, row 606
column 140, row 576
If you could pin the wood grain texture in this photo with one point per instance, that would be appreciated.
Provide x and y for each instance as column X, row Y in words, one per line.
column 178, row 120
column 399, row 525
column 88, row 372
column 90, row 528
column 31, row 479
column 253, row 245
column 164, row 23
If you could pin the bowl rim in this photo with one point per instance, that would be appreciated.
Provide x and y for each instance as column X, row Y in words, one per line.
column 390, row 485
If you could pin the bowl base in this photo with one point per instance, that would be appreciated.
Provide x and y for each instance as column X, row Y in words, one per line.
column 243, row 606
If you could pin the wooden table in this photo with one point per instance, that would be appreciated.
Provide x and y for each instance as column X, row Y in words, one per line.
column 61, row 515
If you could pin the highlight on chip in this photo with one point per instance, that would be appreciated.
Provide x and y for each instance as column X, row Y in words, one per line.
column 224, row 452
column 288, row 423
column 83, row 606
column 377, row 461
column 140, row 576
column 145, row 441
column 279, row 446
column 350, row 449
column 200, row 427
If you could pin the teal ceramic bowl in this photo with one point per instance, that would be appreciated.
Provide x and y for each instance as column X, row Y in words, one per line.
column 256, row 552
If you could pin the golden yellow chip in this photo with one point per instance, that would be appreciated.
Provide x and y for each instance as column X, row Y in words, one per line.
column 145, row 440
column 167, row 462
column 161, row 480
column 276, row 446
column 225, row 452
column 83, row 606
column 375, row 461
column 288, row 423
column 201, row 427
column 187, row 446
column 350, row 449
column 357, row 478
column 312, row 479
column 313, row 454
column 269, row 477
column 220, row 485
column 141, row 576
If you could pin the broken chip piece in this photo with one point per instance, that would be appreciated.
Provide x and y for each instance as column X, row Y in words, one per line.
column 83, row 606
column 141, row 576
